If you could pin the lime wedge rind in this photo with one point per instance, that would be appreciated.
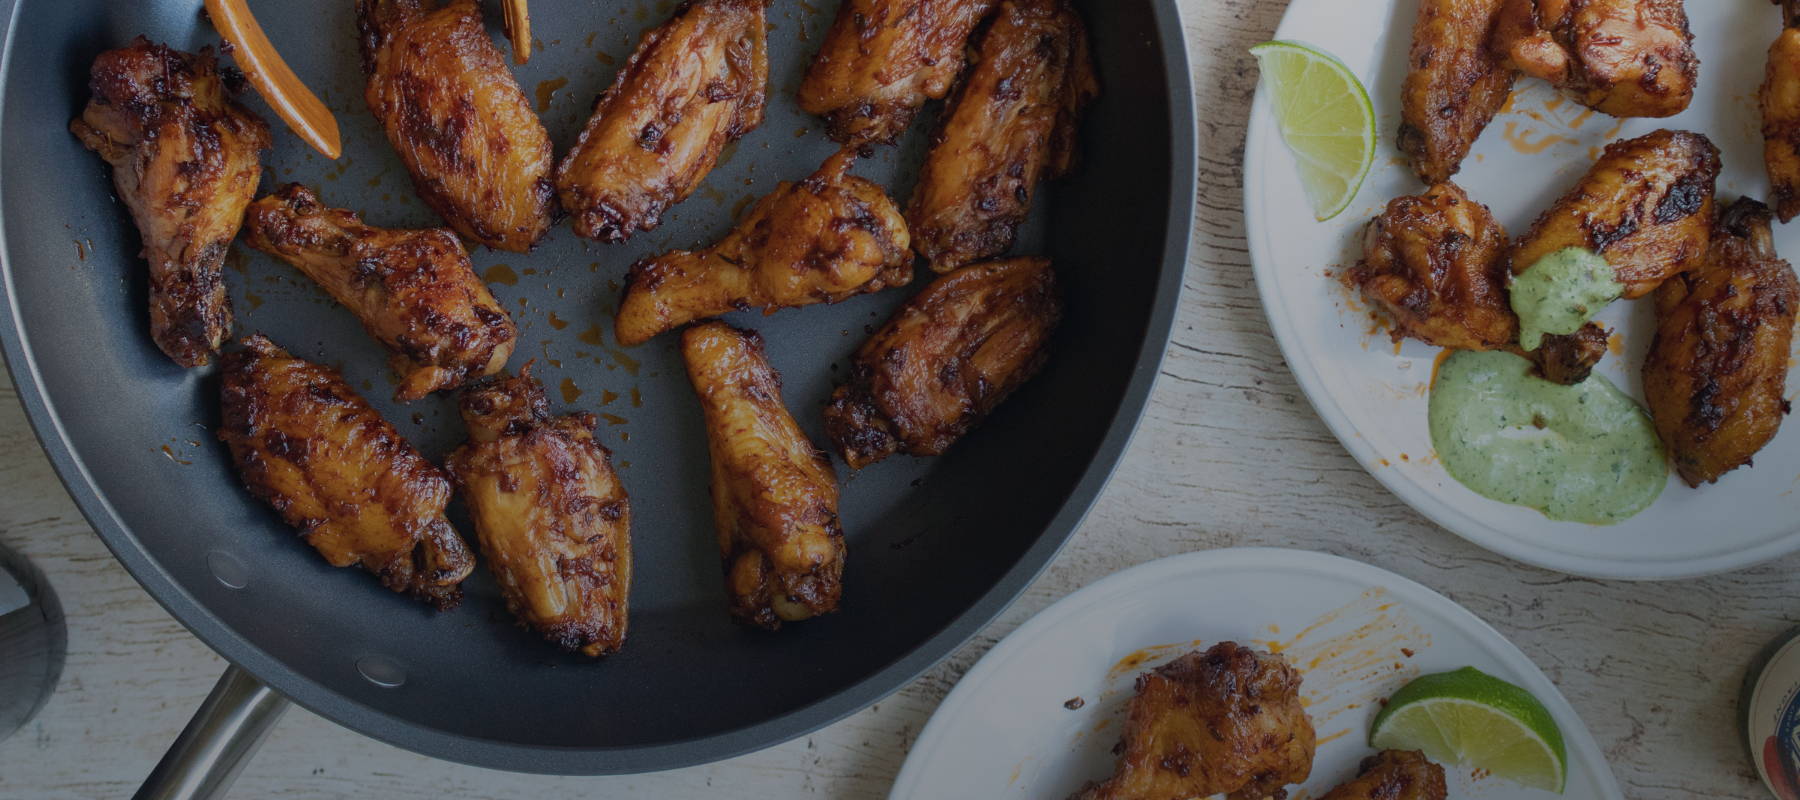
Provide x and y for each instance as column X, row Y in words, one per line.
column 1471, row 718
column 1326, row 120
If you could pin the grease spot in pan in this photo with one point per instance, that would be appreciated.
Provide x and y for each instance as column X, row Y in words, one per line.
column 382, row 671
column 228, row 569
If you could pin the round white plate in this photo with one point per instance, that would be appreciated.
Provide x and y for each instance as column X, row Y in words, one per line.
column 1005, row 730
column 1374, row 398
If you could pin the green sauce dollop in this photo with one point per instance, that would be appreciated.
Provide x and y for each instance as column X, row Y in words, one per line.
column 1560, row 293
column 1582, row 453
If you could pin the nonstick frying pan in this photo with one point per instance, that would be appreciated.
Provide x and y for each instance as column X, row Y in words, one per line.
column 937, row 546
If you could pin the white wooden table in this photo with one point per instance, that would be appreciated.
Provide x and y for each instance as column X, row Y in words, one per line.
column 1229, row 454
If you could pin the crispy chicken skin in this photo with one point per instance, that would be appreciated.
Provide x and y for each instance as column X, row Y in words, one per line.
column 185, row 160
column 882, row 59
column 1436, row 264
column 1394, row 775
column 452, row 110
column 1780, row 100
column 825, row 239
column 414, row 290
column 695, row 84
column 1011, row 122
column 945, row 360
column 1568, row 359
column 307, row 445
column 1717, row 369
column 1227, row 721
column 1627, row 58
column 1454, row 85
column 552, row 519
column 774, row 497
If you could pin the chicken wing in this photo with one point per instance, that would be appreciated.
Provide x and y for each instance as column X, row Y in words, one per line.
column 1568, row 359
column 185, row 160
column 825, row 239
column 1436, row 264
column 882, row 59
column 1227, row 721
column 452, row 110
column 414, row 290
column 307, row 445
column 1627, row 58
column 695, row 84
column 553, row 522
column 1454, row 85
column 1394, row 775
column 1717, row 370
column 945, row 360
column 1780, row 100
column 774, row 496
column 1010, row 122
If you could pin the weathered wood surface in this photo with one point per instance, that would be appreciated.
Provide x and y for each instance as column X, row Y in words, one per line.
column 1229, row 454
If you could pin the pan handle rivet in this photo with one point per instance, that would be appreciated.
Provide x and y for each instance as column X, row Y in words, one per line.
column 382, row 671
column 228, row 569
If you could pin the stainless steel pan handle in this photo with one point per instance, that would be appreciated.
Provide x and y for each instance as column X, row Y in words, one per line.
column 217, row 742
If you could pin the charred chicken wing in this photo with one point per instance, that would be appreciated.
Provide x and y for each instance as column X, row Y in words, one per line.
column 882, row 59
column 185, row 159
column 1717, row 369
column 1394, row 775
column 551, row 517
column 1436, row 264
column 307, row 445
column 1454, row 85
column 414, row 290
column 695, row 84
column 452, row 110
column 827, row 238
column 944, row 361
column 1781, row 115
column 1227, row 721
column 1627, row 58
column 774, row 496
column 1010, row 123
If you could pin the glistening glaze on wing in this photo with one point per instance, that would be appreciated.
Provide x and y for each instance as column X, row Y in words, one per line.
column 882, row 59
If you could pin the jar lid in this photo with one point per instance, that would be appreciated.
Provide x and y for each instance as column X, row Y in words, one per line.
column 1769, row 709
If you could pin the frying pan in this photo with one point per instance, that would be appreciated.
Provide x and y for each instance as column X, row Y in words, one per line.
column 938, row 547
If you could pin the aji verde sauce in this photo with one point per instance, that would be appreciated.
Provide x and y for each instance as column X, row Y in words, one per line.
column 1582, row 453
column 1560, row 293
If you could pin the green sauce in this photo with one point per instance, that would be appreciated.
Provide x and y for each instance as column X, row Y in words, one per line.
column 1582, row 453
column 1560, row 293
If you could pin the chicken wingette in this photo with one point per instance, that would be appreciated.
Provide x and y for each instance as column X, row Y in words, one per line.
column 309, row 446
column 453, row 111
column 825, row 239
column 1010, row 123
column 774, row 496
column 1394, row 775
column 1626, row 58
column 1436, row 265
column 694, row 85
column 1226, row 721
column 1780, row 101
column 945, row 360
column 1454, row 85
column 185, row 160
column 882, row 59
column 1716, row 376
column 552, row 519
column 414, row 290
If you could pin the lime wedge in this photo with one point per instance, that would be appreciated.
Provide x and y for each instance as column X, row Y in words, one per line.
column 1325, row 117
column 1471, row 718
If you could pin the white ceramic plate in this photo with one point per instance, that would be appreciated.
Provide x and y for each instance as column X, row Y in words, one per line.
column 1374, row 398
column 1005, row 732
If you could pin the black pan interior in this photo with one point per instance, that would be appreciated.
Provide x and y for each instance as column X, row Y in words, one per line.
column 937, row 547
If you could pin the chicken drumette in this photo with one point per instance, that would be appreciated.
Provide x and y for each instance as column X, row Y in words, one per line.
column 882, row 59
column 1780, row 99
column 552, row 519
column 1627, row 58
column 1454, row 85
column 185, row 160
column 310, row 447
column 414, row 290
column 1394, row 775
column 1436, row 264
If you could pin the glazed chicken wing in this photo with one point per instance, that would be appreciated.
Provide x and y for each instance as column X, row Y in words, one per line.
column 1227, row 721
column 1394, row 775
column 553, row 522
column 825, row 239
column 1626, row 58
column 1436, row 264
column 1780, row 99
column 1717, row 370
column 1010, row 123
column 307, row 445
column 695, row 84
column 1454, row 85
column 945, row 360
column 882, row 59
column 414, row 290
column 185, row 160
column 774, row 496
column 452, row 110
